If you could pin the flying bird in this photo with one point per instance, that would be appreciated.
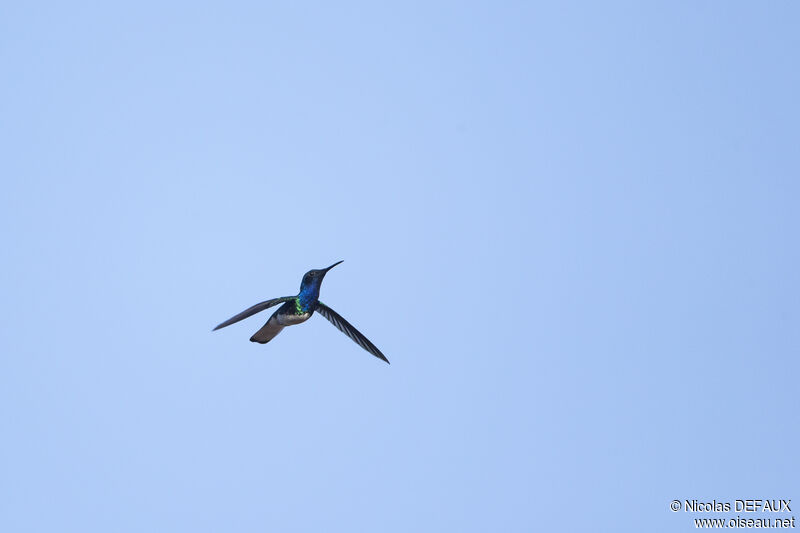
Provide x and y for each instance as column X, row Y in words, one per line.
column 298, row 309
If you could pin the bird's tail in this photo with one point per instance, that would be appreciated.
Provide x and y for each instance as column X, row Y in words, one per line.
column 267, row 331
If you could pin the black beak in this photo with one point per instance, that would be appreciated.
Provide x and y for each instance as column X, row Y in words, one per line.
column 333, row 265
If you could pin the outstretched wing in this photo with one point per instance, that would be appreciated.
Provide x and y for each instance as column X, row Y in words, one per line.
column 253, row 310
column 345, row 327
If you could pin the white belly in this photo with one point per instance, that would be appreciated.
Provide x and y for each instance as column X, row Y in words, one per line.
column 291, row 320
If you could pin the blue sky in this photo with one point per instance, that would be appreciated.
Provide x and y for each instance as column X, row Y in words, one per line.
column 572, row 228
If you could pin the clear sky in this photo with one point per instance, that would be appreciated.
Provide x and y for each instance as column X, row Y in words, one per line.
column 572, row 227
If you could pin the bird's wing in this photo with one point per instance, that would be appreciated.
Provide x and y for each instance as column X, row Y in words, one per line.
column 253, row 310
column 345, row 327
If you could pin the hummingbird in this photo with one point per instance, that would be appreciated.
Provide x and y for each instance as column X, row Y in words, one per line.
column 298, row 309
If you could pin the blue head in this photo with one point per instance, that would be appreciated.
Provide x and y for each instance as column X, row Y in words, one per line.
column 309, row 287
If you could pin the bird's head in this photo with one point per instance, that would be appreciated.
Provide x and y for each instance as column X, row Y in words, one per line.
column 313, row 279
